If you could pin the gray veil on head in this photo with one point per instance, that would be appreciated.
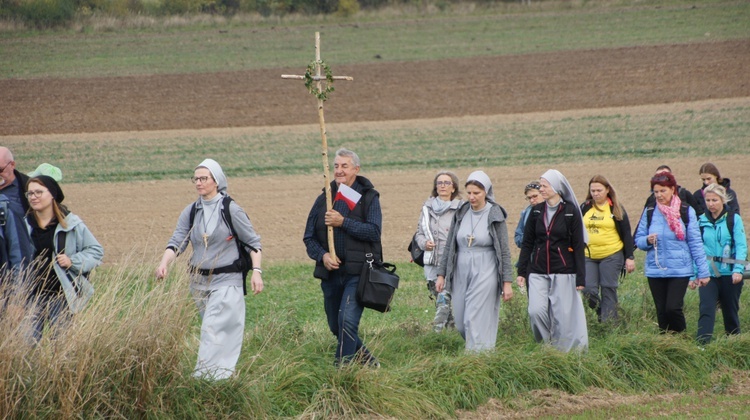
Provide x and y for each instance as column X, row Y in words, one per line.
column 216, row 172
column 562, row 187
column 483, row 179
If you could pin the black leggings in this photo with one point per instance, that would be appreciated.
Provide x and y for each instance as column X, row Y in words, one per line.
column 669, row 294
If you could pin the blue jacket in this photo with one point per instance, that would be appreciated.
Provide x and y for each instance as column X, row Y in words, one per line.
column 676, row 257
column 716, row 236
column 16, row 250
column 518, row 237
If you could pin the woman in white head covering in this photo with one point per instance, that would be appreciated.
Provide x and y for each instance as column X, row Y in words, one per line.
column 475, row 266
column 216, row 268
column 552, row 258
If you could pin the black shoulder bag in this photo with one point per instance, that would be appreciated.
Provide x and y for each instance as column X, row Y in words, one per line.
column 377, row 284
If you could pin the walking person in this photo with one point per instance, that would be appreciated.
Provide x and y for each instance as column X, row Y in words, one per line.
column 533, row 197
column 610, row 247
column 709, row 174
column 670, row 235
column 216, row 275
column 432, row 234
column 723, row 236
column 356, row 232
column 552, row 260
column 475, row 267
column 65, row 253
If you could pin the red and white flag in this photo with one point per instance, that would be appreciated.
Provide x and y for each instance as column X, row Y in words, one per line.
column 348, row 195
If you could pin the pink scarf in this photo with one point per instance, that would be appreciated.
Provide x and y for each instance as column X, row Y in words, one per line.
column 672, row 214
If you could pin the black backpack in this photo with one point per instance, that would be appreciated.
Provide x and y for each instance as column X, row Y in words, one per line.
column 243, row 264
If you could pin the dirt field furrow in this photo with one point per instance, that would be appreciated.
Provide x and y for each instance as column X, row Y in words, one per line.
column 382, row 91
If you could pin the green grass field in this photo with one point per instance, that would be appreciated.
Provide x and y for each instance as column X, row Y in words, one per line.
column 272, row 43
column 132, row 352
column 712, row 132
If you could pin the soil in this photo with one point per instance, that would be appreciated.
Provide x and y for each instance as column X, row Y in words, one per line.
column 485, row 90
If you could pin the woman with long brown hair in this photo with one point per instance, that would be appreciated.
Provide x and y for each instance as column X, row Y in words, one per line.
column 610, row 247
column 66, row 251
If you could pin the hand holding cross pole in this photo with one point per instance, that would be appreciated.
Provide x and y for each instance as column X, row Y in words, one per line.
column 322, row 95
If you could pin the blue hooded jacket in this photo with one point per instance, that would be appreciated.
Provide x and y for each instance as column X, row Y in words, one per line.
column 716, row 235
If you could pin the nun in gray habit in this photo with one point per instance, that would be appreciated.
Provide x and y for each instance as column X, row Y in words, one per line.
column 216, row 284
column 475, row 267
column 552, row 259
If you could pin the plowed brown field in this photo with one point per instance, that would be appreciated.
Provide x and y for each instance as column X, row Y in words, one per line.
column 484, row 90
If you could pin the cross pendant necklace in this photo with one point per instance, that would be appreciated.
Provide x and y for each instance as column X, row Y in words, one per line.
column 206, row 220
column 470, row 237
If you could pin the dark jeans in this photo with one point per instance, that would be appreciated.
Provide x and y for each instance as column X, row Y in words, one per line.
column 719, row 289
column 50, row 309
column 669, row 298
column 343, row 313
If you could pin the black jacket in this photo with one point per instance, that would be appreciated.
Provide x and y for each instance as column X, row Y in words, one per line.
column 623, row 229
column 354, row 250
column 700, row 200
column 557, row 250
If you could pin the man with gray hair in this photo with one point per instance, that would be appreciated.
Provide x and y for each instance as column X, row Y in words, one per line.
column 13, row 183
column 356, row 219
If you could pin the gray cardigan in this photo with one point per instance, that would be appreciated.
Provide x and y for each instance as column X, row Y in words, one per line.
column 221, row 250
column 498, row 233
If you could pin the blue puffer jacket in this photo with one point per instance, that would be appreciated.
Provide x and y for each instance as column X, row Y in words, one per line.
column 716, row 236
column 676, row 257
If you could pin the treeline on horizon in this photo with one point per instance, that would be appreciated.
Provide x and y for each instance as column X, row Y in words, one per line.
column 44, row 14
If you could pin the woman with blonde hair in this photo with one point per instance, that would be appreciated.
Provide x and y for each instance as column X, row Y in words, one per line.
column 725, row 245
column 610, row 247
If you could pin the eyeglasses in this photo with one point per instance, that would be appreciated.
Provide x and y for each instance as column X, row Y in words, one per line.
column 36, row 194
column 444, row 183
column 660, row 178
column 202, row 179
column 532, row 186
column 6, row 166
column 532, row 197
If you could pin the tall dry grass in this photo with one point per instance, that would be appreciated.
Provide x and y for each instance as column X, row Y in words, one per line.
column 109, row 360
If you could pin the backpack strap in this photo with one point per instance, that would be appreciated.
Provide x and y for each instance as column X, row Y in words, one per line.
column 730, row 226
column 684, row 215
column 60, row 248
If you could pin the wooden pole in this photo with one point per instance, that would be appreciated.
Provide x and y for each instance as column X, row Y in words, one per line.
column 326, row 170
column 318, row 78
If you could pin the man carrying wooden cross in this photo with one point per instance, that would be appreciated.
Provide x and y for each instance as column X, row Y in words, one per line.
column 357, row 223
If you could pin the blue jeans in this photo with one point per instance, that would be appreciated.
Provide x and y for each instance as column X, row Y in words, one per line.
column 343, row 313
column 719, row 289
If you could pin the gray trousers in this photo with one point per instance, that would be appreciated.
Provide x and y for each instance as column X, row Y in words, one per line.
column 556, row 311
column 601, row 285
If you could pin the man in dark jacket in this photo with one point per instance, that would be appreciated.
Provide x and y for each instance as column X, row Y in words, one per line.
column 13, row 183
column 16, row 250
column 356, row 219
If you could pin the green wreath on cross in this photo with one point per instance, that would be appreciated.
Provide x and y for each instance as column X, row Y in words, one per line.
column 312, row 86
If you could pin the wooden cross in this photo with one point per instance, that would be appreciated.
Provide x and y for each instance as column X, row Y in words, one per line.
column 321, row 95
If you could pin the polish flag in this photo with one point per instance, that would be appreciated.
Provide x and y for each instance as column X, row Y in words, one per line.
column 348, row 195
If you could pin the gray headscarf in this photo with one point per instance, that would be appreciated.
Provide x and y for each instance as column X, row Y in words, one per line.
column 216, row 172
column 562, row 187
column 483, row 179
